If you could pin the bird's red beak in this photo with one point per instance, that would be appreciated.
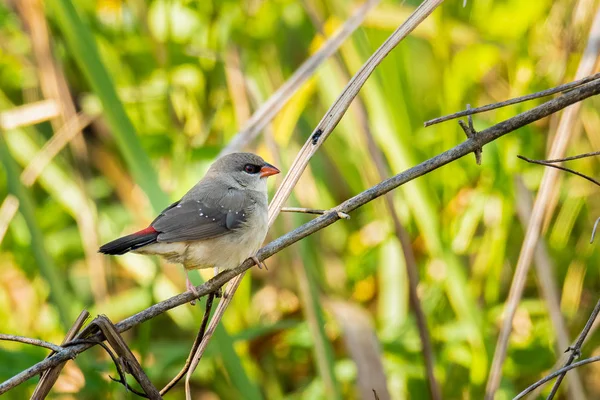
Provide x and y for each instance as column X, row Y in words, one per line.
column 268, row 170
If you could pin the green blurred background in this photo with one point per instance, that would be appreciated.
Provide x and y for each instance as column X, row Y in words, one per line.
column 172, row 81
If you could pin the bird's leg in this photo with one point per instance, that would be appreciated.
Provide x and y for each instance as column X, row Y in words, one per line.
column 190, row 286
column 259, row 264
column 219, row 291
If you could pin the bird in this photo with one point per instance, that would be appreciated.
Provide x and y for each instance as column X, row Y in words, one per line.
column 220, row 222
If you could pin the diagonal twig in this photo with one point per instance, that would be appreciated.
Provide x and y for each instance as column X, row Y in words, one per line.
column 558, row 89
column 483, row 137
column 188, row 362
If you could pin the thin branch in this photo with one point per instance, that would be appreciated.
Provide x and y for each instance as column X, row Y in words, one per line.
column 312, row 211
column 577, row 157
column 279, row 99
column 561, row 371
column 548, row 164
column 483, row 137
column 188, row 362
column 576, row 349
column 32, row 341
column 558, row 89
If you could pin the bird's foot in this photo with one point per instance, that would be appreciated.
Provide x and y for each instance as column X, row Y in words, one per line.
column 259, row 264
column 190, row 287
column 218, row 293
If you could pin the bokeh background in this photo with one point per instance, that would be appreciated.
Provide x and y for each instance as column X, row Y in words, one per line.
column 181, row 78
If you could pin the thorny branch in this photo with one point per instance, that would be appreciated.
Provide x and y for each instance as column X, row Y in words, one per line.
column 470, row 145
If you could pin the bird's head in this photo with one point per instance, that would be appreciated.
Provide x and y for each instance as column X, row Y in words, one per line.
column 247, row 169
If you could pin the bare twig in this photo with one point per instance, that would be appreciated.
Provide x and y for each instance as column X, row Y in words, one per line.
column 275, row 103
column 483, row 137
column 558, row 89
column 576, row 349
column 26, row 340
column 577, row 157
column 188, row 362
column 547, row 187
column 312, row 211
column 560, row 372
column 50, row 376
column 548, row 164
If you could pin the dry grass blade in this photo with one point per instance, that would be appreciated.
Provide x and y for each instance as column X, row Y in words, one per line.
column 275, row 103
column 71, row 128
column 548, row 287
column 131, row 363
column 532, row 235
column 32, row 172
column 50, row 376
column 361, row 341
column 29, row 114
column 8, row 209
column 320, row 134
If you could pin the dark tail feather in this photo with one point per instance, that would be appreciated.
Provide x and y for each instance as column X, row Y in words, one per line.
column 130, row 242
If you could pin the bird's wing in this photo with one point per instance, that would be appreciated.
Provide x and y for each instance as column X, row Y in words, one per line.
column 206, row 218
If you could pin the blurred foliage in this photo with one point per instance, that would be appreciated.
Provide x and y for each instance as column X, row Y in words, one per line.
column 176, row 79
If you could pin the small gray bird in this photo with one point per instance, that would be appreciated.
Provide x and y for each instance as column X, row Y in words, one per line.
column 219, row 223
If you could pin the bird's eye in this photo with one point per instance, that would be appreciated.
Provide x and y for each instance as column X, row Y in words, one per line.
column 251, row 168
